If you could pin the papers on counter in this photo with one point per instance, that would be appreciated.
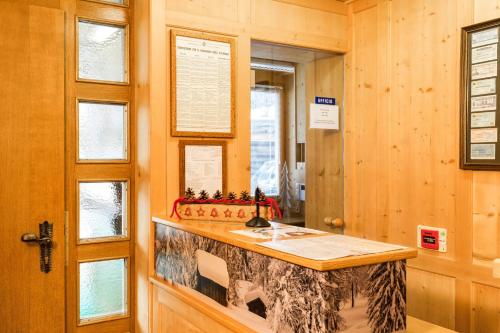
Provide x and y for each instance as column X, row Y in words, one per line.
column 280, row 232
column 330, row 247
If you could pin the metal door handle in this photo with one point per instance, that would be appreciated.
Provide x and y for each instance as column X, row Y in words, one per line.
column 32, row 238
column 45, row 243
column 29, row 238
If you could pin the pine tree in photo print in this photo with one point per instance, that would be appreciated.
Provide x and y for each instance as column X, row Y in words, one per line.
column 302, row 300
column 386, row 290
column 238, row 270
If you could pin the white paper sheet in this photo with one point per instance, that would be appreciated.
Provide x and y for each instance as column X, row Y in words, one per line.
column 483, row 119
column 203, row 87
column 203, row 168
column 484, row 37
column 484, row 103
column 484, row 70
column 280, row 232
column 330, row 247
column 324, row 116
column 483, row 135
column 483, row 87
column 484, row 53
column 482, row 151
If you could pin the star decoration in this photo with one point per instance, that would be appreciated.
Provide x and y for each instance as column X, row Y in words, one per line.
column 188, row 212
column 214, row 213
column 200, row 211
column 227, row 213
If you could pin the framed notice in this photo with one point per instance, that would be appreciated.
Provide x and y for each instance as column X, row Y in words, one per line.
column 480, row 118
column 202, row 84
column 202, row 166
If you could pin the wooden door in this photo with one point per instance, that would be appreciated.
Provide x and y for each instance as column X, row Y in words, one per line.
column 31, row 165
column 324, row 148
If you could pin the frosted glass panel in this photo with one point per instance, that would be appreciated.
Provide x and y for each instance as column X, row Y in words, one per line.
column 101, row 53
column 102, row 131
column 103, row 288
column 103, row 209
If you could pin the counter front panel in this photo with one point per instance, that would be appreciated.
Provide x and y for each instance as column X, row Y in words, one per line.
column 271, row 295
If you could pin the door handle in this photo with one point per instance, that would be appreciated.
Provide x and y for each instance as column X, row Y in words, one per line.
column 336, row 223
column 45, row 242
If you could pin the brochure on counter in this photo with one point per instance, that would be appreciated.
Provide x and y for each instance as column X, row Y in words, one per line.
column 277, row 232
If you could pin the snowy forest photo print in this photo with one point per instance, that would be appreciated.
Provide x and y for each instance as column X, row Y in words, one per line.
column 280, row 296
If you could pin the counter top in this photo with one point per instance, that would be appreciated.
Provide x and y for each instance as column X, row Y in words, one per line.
column 221, row 231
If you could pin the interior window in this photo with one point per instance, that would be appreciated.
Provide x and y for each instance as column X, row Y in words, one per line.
column 266, row 138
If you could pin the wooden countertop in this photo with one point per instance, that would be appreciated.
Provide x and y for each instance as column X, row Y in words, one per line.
column 220, row 231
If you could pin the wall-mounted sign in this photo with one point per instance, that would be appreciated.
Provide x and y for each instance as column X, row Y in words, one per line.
column 202, row 166
column 203, row 84
column 324, row 100
column 479, row 105
column 324, row 116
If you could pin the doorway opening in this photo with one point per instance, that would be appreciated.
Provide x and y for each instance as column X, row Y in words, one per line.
column 300, row 166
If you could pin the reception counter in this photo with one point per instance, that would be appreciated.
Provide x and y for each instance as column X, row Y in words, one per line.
column 205, row 270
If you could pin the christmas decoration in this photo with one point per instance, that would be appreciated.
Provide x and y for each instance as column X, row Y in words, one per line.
column 189, row 194
column 218, row 195
column 203, row 195
column 218, row 208
column 244, row 196
column 286, row 195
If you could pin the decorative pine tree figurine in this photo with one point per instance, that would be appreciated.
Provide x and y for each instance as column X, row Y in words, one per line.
column 386, row 290
column 286, row 196
column 189, row 194
column 218, row 195
column 244, row 196
column 231, row 196
column 203, row 195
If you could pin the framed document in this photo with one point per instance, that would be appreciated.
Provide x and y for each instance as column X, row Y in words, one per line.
column 480, row 118
column 202, row 84
column 202, row 166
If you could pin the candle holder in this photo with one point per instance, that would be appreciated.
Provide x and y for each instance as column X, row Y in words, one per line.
column 257, row 221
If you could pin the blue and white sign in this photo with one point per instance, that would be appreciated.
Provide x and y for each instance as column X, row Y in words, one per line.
column 324, row 100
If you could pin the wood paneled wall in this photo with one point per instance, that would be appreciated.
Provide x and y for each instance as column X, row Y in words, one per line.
column 320, row 24
column 317, row 24
column 401, row 154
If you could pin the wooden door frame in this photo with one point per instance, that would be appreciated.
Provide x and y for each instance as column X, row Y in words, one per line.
column 77, row 170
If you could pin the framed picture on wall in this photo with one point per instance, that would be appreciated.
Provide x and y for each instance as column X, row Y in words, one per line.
column 480, row 118
column 202, row 76
column 202, row 166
